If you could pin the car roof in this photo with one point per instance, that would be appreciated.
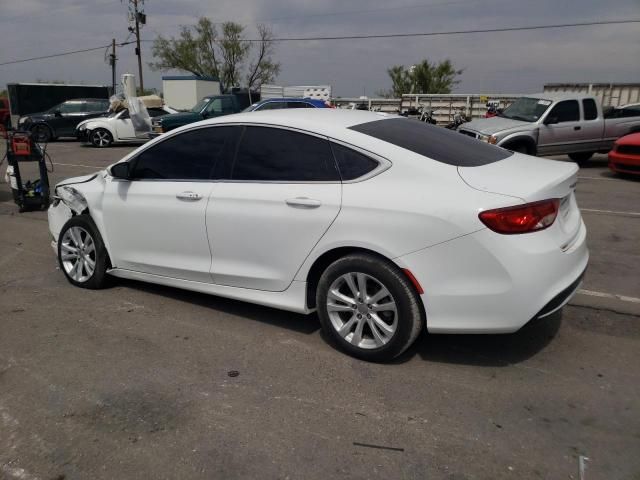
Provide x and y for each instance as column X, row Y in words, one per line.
column 555, row 96
column 291, row 99
column 324, row 121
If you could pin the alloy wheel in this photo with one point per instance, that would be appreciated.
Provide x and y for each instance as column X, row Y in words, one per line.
column 101, row 138
column 362, row 310
column 78, row 254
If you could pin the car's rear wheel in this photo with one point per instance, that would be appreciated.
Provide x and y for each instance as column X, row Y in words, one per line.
column 368, row 307
column 81, row 253
column 101, row 138
column 41, row 133
column 581, row 157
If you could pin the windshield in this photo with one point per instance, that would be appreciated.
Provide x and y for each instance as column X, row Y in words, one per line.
column 200, row 105
column 526, row 109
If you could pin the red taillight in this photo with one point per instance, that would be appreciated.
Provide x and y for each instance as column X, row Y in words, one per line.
column 530, row 217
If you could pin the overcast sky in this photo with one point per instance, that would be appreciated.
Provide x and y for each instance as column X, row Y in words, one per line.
column 507, row 62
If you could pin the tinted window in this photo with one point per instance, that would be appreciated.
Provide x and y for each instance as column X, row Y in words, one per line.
column 271, row 154
column 299, row 105
column 227, row 105
column 97, row 105
column 187, row 156
column 215, row 106
column 590, row 109
column 441, row 144
column 156, row 112
column 567, row 111
column 351, row 163
column 72, row 107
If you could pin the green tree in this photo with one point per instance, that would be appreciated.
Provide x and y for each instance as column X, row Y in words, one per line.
column 3, row 93
column 202, row 50
column 424, row 77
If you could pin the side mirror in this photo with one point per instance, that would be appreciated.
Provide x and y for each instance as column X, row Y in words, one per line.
column 205, row 114
column 551, row 120
column 57, row 113
column 121, row 171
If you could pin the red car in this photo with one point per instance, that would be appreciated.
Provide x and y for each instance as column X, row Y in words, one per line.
column 625, row 156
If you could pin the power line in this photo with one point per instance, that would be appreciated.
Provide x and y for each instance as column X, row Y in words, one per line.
column 62, row 54
column 452, row 32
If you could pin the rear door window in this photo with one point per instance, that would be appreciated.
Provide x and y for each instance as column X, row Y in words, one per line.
column 298, row 105
column 437, row 143
column 73, row 107
column 272, row 154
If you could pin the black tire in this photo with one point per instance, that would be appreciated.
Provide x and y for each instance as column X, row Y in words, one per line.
column 519, row 148
column 101, row 138
column 98, row 278
column 581, row 157
column 41, row 133
column 407, row 318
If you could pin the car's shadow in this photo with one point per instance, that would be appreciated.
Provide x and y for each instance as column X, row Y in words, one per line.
column 488, row 350
column 480, row 350
column 306, row 324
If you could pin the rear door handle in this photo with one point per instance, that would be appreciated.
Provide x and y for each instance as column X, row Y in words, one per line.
column 578, row 127
column 191, row 196
column 303, row 202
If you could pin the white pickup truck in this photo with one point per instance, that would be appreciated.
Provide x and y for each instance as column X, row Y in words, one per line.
column 554, row 124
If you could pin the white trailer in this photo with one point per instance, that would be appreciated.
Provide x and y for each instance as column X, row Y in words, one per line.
column 182, row 92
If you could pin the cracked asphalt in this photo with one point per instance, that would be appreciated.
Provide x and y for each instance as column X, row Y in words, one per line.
column 144, row 381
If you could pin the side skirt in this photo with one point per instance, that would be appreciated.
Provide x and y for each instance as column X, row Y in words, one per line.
column 293, row 299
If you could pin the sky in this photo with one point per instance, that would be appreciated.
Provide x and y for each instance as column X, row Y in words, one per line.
column 505, row 62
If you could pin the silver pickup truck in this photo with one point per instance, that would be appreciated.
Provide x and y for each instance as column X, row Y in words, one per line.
column 555, row 124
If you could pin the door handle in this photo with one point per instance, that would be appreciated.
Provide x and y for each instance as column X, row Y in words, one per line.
column 577, row 127
column 303, row 202
column 191, row 196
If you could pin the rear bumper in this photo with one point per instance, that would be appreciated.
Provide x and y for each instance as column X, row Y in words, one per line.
column 490, row 283
column 622, row 163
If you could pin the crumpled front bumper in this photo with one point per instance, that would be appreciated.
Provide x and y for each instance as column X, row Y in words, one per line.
column 58, row 214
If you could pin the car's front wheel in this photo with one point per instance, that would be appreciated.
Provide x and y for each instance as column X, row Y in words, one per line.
column 81, row 253
column 368, row 307
column 101, row 138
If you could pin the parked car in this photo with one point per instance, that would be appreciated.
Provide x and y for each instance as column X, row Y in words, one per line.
column 554, row 124
column 117, row 127
column 625, row 156
column 280, row 103
column 62, row 120
column 383, row 224
column 209, row 107
column 5, row 114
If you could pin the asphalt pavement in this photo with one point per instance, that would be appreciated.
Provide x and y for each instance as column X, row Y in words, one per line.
column 144, row 381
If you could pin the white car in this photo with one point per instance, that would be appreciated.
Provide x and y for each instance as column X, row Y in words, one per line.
column 117, row 127
column 384, row 225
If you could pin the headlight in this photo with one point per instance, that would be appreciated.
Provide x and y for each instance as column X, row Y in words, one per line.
column 72, row 198
column 22, row 120
column 488, row 138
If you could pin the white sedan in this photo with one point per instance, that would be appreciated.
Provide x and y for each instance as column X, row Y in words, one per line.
column 386, row 226
column 117, row 127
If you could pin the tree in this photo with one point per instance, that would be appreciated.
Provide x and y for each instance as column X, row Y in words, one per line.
column 201, row 50
column 424, row 77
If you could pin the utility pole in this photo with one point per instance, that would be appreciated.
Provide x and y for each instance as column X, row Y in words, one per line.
column 112, row 62
column 139, row 18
